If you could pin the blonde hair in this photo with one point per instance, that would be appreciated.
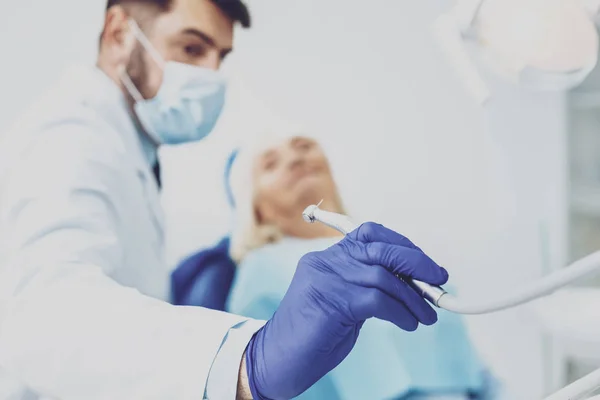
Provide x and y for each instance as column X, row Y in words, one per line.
column 248, row 233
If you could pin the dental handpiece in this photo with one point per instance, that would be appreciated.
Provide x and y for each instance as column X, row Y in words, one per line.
column 344, row 225
column 440, row 298
column 577, row 390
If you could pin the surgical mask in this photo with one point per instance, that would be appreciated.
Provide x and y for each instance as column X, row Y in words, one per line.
column 188, row 103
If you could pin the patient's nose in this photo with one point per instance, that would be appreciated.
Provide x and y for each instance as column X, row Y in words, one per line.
column 296, row 160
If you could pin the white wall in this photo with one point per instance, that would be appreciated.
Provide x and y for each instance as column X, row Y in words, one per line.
column 409, row 147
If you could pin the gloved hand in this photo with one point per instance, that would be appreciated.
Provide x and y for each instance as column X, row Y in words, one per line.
column 331, row 295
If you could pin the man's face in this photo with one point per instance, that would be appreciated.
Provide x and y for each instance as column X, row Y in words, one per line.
column 194, row 32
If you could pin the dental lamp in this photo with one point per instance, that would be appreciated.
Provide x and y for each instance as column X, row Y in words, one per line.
column 537, row 44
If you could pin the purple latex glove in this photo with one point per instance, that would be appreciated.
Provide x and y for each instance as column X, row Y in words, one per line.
column 331, row 295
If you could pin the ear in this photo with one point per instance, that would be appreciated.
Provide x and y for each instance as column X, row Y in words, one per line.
column 116, row 32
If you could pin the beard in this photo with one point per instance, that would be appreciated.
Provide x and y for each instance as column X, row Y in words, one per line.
column 137, row 69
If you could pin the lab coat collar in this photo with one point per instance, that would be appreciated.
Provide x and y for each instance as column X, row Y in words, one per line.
column 92, row 86
column 105, row 97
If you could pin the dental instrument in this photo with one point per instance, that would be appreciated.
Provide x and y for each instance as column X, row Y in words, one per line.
column 440, row 298
column 344, row 225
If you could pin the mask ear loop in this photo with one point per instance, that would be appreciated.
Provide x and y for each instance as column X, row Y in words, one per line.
column 133, row 91
column 139, row 35
column 126, row 79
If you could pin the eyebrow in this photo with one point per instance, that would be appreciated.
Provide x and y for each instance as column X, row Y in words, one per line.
column 206, row 38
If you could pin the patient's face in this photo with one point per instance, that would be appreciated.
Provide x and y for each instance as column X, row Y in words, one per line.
column 293, row 174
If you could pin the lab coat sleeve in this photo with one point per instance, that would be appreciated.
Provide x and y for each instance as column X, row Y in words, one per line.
column 222, row 381
column 67, row 329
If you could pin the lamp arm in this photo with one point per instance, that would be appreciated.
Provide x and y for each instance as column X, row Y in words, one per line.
column 465, row 12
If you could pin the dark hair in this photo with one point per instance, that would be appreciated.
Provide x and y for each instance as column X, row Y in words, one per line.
column 234, row 9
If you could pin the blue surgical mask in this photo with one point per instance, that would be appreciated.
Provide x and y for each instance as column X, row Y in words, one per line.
column 188, row 103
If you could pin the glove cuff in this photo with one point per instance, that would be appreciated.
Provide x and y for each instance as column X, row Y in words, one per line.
column 250, row 356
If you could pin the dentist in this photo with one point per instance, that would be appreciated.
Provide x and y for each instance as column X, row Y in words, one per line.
column 83, row 280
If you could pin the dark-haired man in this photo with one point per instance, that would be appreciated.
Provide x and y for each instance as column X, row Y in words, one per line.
column 83, row 281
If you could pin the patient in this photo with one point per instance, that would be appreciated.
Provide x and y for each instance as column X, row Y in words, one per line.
column 269, row 185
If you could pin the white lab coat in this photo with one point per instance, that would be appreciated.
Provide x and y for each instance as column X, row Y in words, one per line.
column 82, row 271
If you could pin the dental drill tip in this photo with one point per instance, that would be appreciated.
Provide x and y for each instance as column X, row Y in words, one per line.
column 319, row 203
column 309, row 213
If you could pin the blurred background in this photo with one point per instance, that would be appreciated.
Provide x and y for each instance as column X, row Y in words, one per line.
column 499, row 196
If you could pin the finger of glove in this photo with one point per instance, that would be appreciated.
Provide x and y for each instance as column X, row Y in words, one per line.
column 369, row 302
column 398, row 260
column 370, row 232
column 377, row 277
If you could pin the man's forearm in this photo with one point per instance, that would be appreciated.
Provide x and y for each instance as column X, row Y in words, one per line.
column 243, row 388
